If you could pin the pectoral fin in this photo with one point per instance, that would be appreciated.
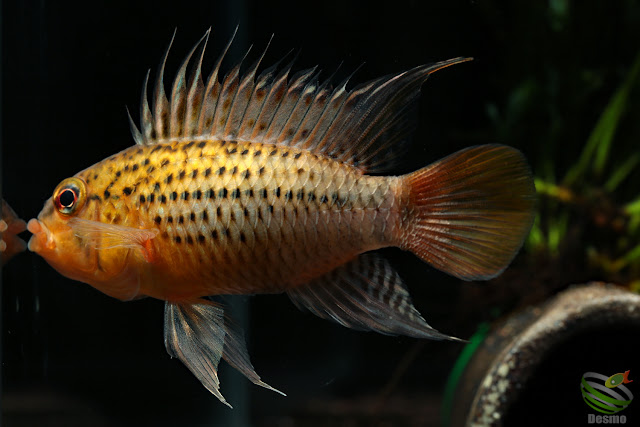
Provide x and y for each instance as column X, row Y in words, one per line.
column 109, row 236
column 365, row 294
column 199, row 334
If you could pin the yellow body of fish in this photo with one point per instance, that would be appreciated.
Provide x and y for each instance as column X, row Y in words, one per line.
column 263, row 185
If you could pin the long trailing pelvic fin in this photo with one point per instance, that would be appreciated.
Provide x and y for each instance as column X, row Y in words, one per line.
column 366, row 127
column 200, row 334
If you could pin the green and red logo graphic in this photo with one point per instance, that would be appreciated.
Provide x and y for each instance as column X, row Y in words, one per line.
column 607, row 395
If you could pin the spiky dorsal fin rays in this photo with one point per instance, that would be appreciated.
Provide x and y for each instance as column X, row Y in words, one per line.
column 179, row 94
column 366, row 127
column 200, row 334
column 211, row 94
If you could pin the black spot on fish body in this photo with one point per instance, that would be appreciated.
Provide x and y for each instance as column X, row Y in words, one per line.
column 189, row 239
column 107, row 194
column 273, row 153
column 221, row 170
column 257, row 153
column 194, row 174
column 244, row 152
column 288, row 195
column 134, row 168
column 210, row 194
column 184, row 195
column 127, row 191
column 277, row 192
column 181, row 175
column 261, row 171
column 156, row 187
column 118, row 173
column 189, row 145
column 234, row 170
column 249, row 192
column 300, row 195
column 158, row 219
column 151, row 198
column 223, row 193
column 285, row 154
column 223, row 143
column 225, row 231
column 146, row 161
column 245, row 174
column 163, row 198
column 170, row 219
column 300, row 171
column 169, row 179
column 214, row 234
column 312, row 196
column 197, row 194
column 205, row 216
column 202, row 144
column 270, row 208
column 297, row 156
column 235, row 194
column 201, row 238
column 150, row 169
column 207, row 172
column 164, row 162
column 218, row 211
column 324, row 198
column 246, row 212
column 173, row 195
column 192, row 216
column 126, row 167
column 243, row 239
column 232, row 151
column 181, row 219
column 117, row 219
column 98, row 198
column 178, row 239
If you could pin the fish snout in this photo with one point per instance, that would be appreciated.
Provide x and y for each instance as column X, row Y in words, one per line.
column 42, row 237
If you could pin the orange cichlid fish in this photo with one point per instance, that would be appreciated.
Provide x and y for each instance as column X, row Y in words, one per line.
column 273, row 183
column 10, row 227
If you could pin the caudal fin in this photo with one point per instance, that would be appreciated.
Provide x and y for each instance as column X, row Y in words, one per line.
column 469, row 213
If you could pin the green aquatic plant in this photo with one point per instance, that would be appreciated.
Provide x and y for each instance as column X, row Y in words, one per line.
column 592, row 189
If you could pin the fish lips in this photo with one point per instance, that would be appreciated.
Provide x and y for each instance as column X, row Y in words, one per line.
column 42, row 238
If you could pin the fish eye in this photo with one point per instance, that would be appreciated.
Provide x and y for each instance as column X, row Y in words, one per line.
column 69, row 196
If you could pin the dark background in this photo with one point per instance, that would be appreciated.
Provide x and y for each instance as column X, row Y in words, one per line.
column 72, row 356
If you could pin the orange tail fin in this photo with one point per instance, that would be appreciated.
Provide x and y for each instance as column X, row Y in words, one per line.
column 469, row 213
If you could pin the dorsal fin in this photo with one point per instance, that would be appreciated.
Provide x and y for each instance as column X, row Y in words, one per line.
column 364, row 127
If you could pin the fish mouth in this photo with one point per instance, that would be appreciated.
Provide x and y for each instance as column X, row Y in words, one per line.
column 42, row 238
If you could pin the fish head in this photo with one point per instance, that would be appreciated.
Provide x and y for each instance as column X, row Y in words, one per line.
column 68, row 234
column 54, row 239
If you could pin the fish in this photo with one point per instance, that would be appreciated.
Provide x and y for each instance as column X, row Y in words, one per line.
column 617, row 379
column 10, row 227
column 279, row 182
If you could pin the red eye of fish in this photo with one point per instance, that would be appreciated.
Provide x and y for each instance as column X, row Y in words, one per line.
column 66, row 199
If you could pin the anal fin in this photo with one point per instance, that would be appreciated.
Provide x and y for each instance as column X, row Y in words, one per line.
column 366, row 294
column 199, row 334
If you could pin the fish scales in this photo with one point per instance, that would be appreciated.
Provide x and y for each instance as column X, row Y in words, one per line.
column 253, row 217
